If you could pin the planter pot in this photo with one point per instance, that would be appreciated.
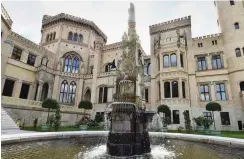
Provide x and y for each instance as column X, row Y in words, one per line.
column 200, row 128
column 165, row 129
column 83, row 127
column 45, row 127
column 215, row 132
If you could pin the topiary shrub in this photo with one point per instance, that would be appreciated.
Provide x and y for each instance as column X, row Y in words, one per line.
column 188, row 126
column 49, row 104
column 213, row 106
column 166, row 114
column 99, row 118
column 85, row 104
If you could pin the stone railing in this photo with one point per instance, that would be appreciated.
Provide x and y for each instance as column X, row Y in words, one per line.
column 34, row 104
column 69, row 74
column 175, row 101
column 6, row 16
column 106, row 74
column 90, row 76
column 171, row 40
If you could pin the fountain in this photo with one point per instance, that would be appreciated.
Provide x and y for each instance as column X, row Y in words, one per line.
column 128, row 135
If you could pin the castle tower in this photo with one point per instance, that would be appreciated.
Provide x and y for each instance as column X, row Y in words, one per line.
column 231, row 23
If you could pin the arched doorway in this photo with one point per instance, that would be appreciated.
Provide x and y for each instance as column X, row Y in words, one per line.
column 242, row 85
column 87, row 95
column 44, row 91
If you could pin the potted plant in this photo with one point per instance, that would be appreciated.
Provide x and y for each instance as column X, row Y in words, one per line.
column 207, row 123
column 214, row 106
column 199, row 122
column 82, row 123
column 49, row 104
column 166, row 116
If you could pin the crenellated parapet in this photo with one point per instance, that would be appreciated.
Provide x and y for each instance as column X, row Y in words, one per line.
column 170, row 25
column 218, row 35
column 48, row 20
column 6, row 17
column 113, row 46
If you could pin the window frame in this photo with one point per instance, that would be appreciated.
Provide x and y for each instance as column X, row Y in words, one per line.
column 238, row 52
column 176, row 117
column 70, row 36
column 205, row 92
column 167, row 93
column 220, row 91
column 16, row 53
column 216, row 59
column 175, row 93
column 31, row 57
column 236, row 25
column 63, row 92
column 102, row 97
column 232, row 2
column 72, row 92
column 146, row 95
column 164, row 63
column 228, row 118
column 173, row 63
column 202, row 61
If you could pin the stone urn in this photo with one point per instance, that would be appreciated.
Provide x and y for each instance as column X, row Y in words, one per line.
column 83, row 127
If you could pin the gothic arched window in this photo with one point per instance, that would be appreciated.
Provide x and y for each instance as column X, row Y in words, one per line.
column 75, row 65
column 167, row 90
column 103, row 94
column 67, row 64
column 70, row 36
column 54, row 34
column 51, row 37
column 63, row 92
column 75, row 37
column 166, row 61
column 173, row 60
column 72, row 90
column 47, row 37
column 238, row 52
column 175, row 92
column 149, row 69
column 81, row 38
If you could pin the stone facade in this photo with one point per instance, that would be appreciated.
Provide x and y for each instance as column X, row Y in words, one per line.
column 183, row 72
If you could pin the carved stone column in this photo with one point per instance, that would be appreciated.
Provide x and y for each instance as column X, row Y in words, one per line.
column 180, row 88
column 39, row 91
column 24, row 56
column 56, row 87
column 79, row 92
column 50, row 88
column 17, row 88
column 178, row 58
column 209, row 63
column 32, row 91
column 162, row 89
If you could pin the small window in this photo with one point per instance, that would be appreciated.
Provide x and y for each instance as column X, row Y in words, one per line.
column 216, row 62
column 166, row 61
column 207, row 115
column 204, row 93
column 220, row 91
column 146, row 95
column 181, row 61
column 200, row 45
column 238, row 52
column 16, row 54
column 175, row 91
column 75, row 37
column 236, row 25
column 176, row 117
column 31, row 59
column 70, row 36
column 54, row 36
column 242, row 86
column 225, row 118
column 214, row 42
column 47, row 37
column 232, row 2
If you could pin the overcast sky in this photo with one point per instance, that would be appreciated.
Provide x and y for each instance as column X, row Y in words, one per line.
column 111, row 17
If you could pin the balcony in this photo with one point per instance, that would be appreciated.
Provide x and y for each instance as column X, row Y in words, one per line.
column 106, row 74
column 34, row 105
column 175, row 101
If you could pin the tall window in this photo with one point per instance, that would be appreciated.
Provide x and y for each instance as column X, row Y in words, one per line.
column 166, row 61
column 94, row 45
column 47, row 37
column 173, row 60
column 201, row 62
column 67, row 64
column 81, row 38
column 242, row 86
column 16, row 54
column 54, row 36
column 236, row 26
column 108, row 68
column 31, row 59
column 225, row 118
column 166, row 89
column 24, row 91
column 8, row 87
column 103, row 94
column 181, row 61
column 207, row 115
column 214, row 42
column 146, row 95
column 216, row 62
column 183, row 89
column 63, row 92
column 159, row 91
column 200, row 45
column 149, row 69
column 75, row 37
column 176, row 117
column 158, row 63
column 204, row 92
column 70, row 36
column 75, row 65
column 72, row 90
column 51, row 37
column 220, row 91
column 175, row 92
column 238, row 52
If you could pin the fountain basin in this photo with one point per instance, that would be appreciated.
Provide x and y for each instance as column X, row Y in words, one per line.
column 92, row 145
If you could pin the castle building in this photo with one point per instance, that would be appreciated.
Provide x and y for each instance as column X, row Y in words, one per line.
column 73, row 63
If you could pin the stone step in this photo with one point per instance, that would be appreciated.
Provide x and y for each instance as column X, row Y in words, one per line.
column 7, row 122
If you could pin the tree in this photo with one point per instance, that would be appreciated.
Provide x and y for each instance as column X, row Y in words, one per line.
column 85, row 104
column 49, row 104
column 57, row 118
column 166, row 113
column 213, row 106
